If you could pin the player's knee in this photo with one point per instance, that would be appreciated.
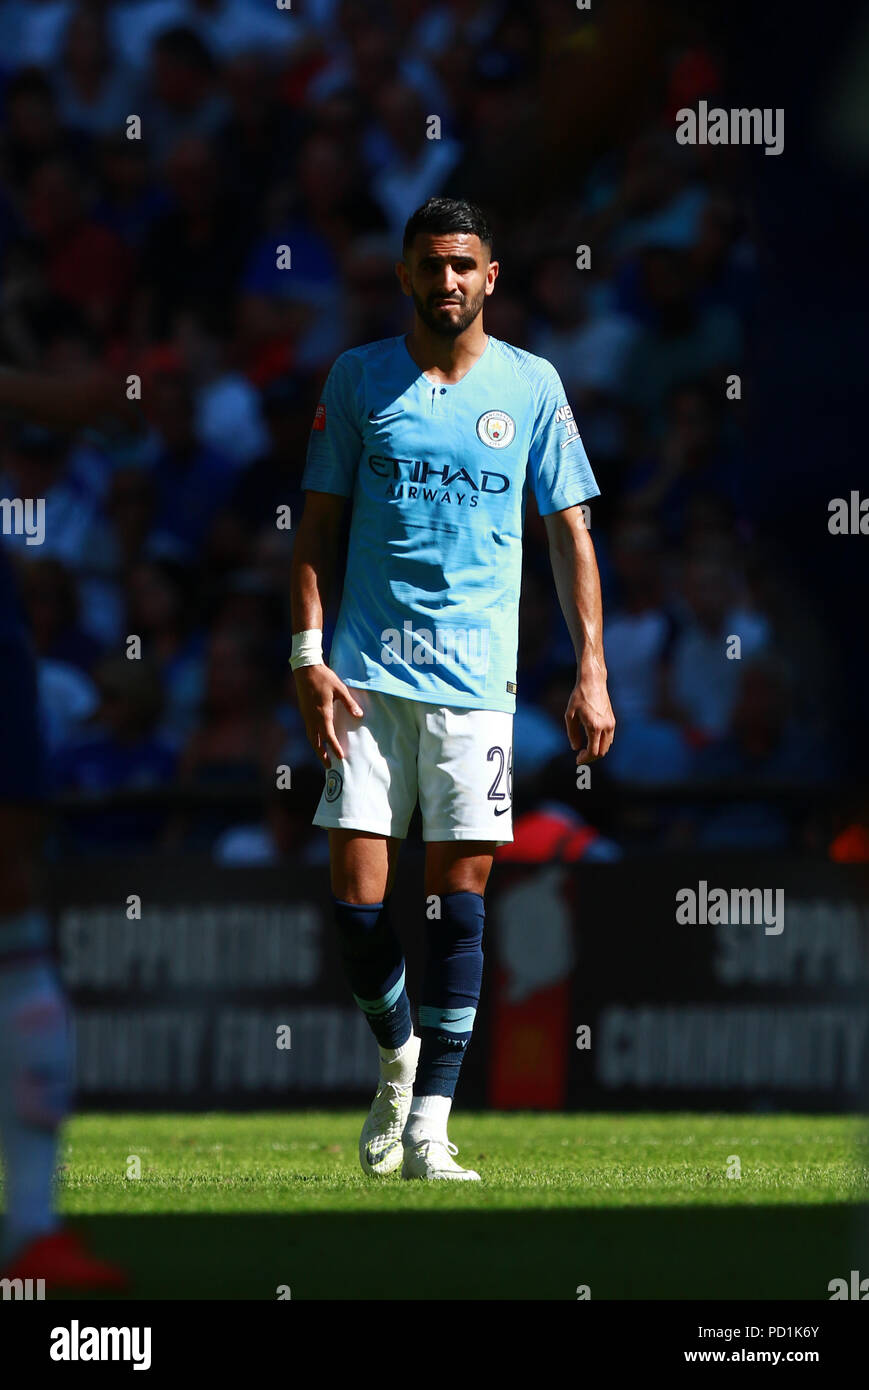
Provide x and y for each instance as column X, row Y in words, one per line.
column 361, row 927
column 356, row 890
column 360, row 867
column 459, row 923
column 450, row 869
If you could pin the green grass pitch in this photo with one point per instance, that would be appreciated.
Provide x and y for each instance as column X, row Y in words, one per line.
column 633, row 1206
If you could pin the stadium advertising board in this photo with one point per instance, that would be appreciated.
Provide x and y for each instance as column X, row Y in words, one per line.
column 223, row 988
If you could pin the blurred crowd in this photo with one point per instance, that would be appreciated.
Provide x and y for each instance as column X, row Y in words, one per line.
column 308, row 127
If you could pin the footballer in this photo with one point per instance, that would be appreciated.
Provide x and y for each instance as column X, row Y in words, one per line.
column 435, row 437
column 35, row 1041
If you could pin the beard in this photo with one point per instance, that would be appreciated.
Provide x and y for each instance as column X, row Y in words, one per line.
column 448, row 325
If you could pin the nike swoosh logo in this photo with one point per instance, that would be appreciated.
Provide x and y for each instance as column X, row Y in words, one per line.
column 374, row 1159
column 392, row 415
column 503, row 811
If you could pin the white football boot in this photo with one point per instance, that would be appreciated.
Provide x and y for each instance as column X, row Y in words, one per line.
column 380, row 1148
column 431, row 1158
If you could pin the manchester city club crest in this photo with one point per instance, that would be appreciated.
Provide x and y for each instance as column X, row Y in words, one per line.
column 334, row 783
column 496, row 428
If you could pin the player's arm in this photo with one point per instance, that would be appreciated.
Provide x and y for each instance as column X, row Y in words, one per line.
column 577, row 582
column 314, row 551
column 91, row 397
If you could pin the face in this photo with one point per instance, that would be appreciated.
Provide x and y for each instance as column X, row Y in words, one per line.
column 448, row 276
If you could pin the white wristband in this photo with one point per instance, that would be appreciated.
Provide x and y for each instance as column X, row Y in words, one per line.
column 307, row 648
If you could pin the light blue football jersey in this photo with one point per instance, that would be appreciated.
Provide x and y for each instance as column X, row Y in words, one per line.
column 438, row 475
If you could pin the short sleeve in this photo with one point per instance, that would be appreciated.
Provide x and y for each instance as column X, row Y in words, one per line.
column 558, row 465
column 335, row 445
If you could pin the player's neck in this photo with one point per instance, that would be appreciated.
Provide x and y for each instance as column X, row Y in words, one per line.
column 446, row 359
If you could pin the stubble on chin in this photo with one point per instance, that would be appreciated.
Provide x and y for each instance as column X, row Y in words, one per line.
column 447, row 327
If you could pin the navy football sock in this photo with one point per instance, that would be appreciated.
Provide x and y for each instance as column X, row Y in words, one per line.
column 374, row 966
column 451, row 992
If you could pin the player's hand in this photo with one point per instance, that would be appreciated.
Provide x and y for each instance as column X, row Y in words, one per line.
column 318, row 688
column 589, row 709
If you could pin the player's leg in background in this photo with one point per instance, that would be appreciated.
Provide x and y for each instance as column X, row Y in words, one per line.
column 35, row 1028
column 35, row 1063
column 456, row 876
column 35, row 1042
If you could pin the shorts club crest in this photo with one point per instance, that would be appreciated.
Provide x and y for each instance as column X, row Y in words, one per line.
column 334, row 783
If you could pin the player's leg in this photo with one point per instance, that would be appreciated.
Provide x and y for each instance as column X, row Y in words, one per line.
column 35, row 1041
column 455, row 881
column 363, row 870
column 465, row 795
column 362, row 865
column 366, row 805
column 35, row 1058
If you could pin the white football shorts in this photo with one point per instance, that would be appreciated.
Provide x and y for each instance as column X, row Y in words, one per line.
column 458, row 763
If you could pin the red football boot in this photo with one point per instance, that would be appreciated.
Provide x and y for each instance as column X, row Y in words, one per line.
column 63, row 1262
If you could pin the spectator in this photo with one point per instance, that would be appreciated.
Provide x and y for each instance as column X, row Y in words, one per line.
column 683, row 340
column 641, row 627
column 238, row 736
column 194, row 252
column 95, row 93
column 239, row 741
column 123, row 753
column 587, row 349
column 86, row 265
column 37, row 467
column 374, row 308
column 258, row 142
column 228, row 412
column 697, row 457
column 192, row 481
column 265, row 129
column 368, row 56
column 137, row 24
column 305, row 304
column 160, row 613
column 129, row 201
column 67, row 700
column 37, row 28
column 419, row 166
column 33, row 134
column 51, row 601
column 272, row 481
column 230, row 27
column 184, row 98
column 119, row 536
column 284, row 833
column 763, row 748
column 703, row 673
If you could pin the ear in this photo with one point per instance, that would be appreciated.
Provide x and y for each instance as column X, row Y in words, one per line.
column 403, row 274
